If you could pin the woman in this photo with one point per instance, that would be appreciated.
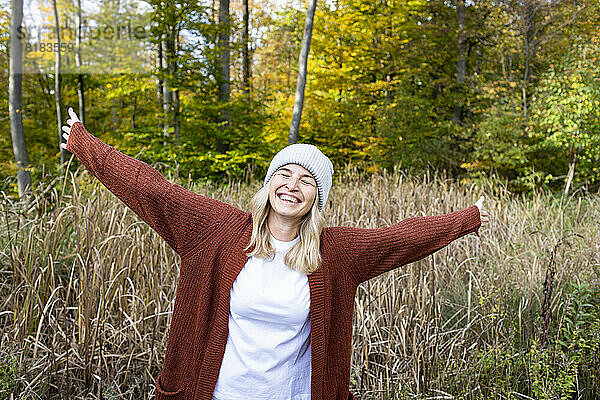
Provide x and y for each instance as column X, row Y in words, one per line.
column 265, row 298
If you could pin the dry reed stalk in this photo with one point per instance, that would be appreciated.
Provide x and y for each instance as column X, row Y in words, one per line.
column 82, row 254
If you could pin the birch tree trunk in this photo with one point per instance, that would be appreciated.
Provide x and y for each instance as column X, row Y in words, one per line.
column 246, row 53
column 80, row 83
column 571, row 173
column 173, row 46
column 166, row 94
column 15, row 84
column 302, row 64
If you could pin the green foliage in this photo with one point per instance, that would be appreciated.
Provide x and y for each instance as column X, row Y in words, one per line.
column 382, row 89
column 503, row 149
column 518, row 365
column 566, row 123
column 196, row 156
column 579, row 334
column 552, row 374
column 9, row 378
column 570, row 364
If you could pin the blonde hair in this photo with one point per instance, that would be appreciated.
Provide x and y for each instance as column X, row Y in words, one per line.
column 305, row 255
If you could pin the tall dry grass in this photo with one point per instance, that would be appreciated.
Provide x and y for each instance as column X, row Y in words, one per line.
column 87, row 290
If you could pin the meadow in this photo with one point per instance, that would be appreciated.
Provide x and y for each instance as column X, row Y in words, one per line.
column 87, row 290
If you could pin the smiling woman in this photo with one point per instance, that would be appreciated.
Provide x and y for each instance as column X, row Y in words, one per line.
column 265, row 298
column 289, row 205
column 295, row 188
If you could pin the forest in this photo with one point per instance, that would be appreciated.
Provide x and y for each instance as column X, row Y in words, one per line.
column 508, row 89
column 421, row 105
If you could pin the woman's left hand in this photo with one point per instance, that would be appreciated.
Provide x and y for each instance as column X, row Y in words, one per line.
column 484, row 216
column 67, row 128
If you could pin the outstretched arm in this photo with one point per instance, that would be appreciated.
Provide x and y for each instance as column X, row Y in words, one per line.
column 374, row 251
column 178, row 215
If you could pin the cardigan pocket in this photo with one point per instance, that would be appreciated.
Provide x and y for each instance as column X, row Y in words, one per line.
column 166, row 395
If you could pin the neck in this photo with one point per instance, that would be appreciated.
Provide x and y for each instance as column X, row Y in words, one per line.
column 282, row 228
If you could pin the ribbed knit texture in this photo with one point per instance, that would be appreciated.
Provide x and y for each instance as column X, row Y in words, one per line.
column 210, row 235
column 310, row 157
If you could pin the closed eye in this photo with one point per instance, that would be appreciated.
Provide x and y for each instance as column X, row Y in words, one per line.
column 304, row 181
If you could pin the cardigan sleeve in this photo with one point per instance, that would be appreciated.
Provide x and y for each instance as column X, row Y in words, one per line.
column 372, row 252
column 178, row 215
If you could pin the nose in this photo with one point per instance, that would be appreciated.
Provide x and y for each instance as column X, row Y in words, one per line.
column 292, row 183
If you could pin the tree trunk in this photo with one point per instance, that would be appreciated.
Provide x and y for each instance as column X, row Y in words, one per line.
column 133, row 126
column 223, row 81
column 80, row 83
column 159, row 85
column 524, row 88
column 15, row 84
column 176, row 123
column 302, row 66
column 166, row 94
column 530, row 9
column 57, row 85
column 288, row 71
column 461, row 60
column 246, row 55
column 527, row 20
column 571, row 170
column 173, row 49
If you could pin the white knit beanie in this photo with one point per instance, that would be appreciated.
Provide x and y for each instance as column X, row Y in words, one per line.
column 311, row 158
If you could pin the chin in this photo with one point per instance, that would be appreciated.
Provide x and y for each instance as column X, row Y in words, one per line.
column 289, row 213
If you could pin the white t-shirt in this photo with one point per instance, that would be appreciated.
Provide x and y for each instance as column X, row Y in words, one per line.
column 268, row 347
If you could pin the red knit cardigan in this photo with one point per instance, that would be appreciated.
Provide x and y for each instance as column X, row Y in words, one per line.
column 210, row 235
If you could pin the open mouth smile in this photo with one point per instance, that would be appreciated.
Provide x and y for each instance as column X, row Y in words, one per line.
column 288, row 199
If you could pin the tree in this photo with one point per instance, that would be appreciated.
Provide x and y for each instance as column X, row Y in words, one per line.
column 169, row 17
column 223, row 77
column 80, row 83
column 15, row 108
column 461, row 60
column 246, row 52
column 567, row 115
column 302, row 67
column 57, row 83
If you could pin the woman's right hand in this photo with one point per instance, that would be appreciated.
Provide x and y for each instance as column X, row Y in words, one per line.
column 67, row 129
